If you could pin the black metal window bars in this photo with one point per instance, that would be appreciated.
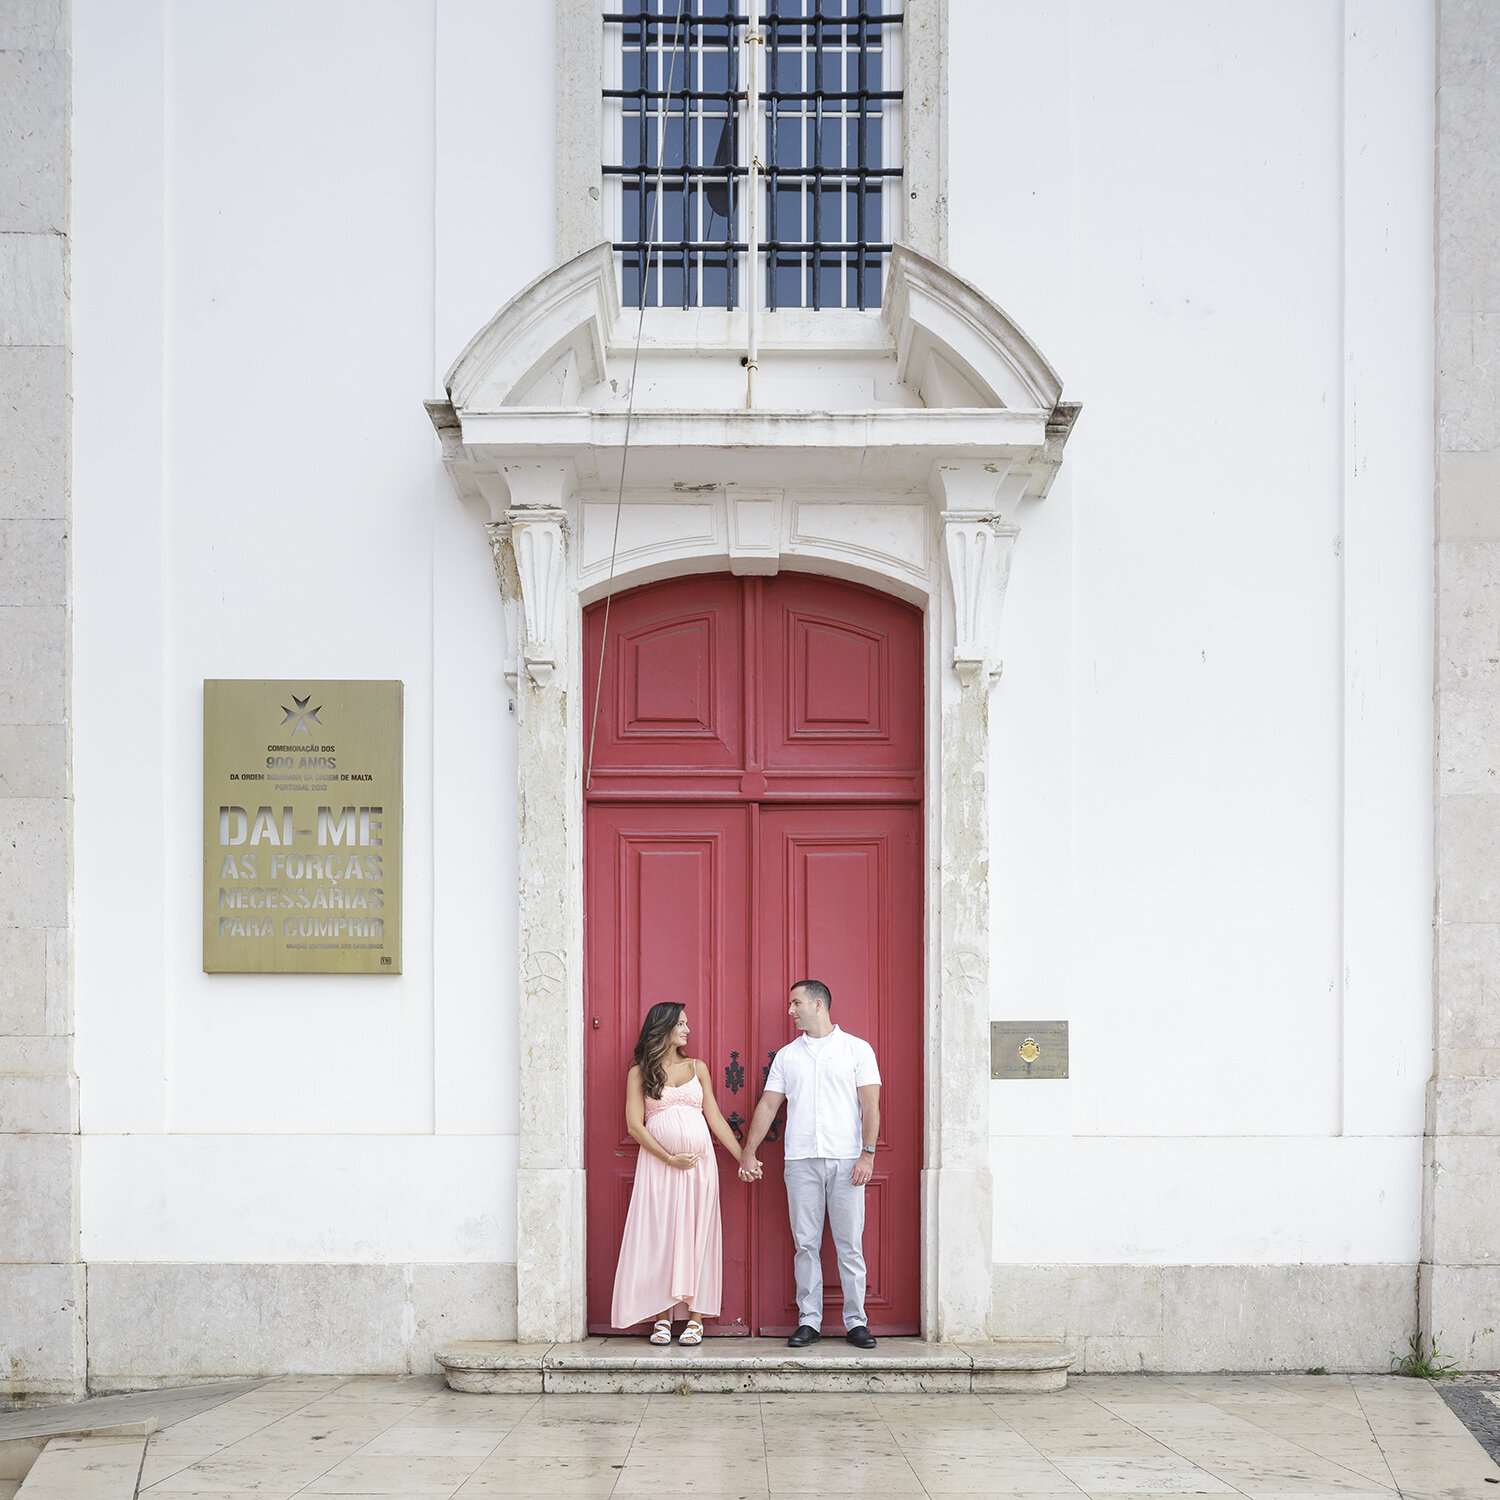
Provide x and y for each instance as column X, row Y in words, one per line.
column 826, row 138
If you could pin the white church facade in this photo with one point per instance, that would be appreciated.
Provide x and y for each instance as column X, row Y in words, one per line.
column 1020, row 572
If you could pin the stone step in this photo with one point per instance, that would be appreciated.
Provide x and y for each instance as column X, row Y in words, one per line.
column 25, row 1434
column 86, row 1468
column 631, row 1366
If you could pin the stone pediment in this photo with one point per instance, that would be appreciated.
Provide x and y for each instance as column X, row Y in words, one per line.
column 941, row 373
column 562, row 341
column 559, row 326
column 955, row 347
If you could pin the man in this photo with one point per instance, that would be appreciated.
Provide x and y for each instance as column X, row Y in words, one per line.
column 831, row 1085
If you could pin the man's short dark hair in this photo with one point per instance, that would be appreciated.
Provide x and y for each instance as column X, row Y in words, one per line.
column 815, row 989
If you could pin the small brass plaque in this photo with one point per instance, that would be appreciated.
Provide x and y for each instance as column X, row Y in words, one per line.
column 1028, row 1049
column 302, row 827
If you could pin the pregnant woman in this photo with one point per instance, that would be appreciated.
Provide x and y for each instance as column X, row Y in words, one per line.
column 671, row 1255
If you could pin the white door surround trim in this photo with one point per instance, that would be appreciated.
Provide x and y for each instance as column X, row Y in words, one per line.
column 910, row 494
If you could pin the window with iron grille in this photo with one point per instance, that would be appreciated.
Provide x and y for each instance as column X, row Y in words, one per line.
column 829, row 130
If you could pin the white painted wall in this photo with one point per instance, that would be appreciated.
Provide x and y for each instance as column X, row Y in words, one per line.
column 1214, row 724
column 283, row 233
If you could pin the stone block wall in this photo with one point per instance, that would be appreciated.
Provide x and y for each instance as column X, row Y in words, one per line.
column 1460, row 1273
column 1207, row 1318
column 229, row 1321
column 42, row 1347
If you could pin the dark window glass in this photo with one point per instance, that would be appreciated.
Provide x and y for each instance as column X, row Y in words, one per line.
column 823, row 230
column 787, row 283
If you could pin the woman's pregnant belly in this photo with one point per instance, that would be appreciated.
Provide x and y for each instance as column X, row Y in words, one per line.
column 680, row 1128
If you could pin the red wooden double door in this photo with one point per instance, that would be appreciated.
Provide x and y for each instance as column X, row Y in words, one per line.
column 754, row 816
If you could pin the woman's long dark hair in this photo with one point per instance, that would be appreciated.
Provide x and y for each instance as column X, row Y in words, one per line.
column 655, row 1045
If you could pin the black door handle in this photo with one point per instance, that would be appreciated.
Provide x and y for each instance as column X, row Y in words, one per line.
column 737, row 1125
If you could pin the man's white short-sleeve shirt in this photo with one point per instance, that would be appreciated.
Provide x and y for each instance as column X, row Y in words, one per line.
column 820, row 1078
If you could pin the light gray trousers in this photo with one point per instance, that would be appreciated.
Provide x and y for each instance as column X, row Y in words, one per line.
column 817, row 1186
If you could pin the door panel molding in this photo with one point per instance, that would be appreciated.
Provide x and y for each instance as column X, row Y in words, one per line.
column 826, row 887
column 701, row 953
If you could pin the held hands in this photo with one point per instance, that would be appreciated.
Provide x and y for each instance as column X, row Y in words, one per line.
column 751, row 1170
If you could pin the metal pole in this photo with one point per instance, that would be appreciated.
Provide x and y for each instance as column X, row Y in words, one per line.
column 753, row 41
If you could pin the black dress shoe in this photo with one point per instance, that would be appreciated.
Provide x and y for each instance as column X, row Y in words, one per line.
column 806, row 1334
column 861, row 1337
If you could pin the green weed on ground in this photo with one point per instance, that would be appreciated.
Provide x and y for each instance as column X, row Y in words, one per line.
column 1429, row 1366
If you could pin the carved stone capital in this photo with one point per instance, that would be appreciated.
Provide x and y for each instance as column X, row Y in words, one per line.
column 978, row 549
column 499, row 533
column 538, row 543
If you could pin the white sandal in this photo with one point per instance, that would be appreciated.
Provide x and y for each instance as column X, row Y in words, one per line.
column 661, row 1331
column 693, row 1333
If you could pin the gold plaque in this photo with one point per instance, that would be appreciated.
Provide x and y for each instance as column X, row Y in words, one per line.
column 302, row 827
column 1028, row 1049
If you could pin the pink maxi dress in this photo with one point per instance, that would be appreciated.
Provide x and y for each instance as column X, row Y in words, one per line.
column 672, row 1253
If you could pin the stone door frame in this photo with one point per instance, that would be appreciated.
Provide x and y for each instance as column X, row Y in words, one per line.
column 922, row 500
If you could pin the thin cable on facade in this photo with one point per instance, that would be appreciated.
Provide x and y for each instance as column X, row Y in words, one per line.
column 752, row 200
column 661, row 151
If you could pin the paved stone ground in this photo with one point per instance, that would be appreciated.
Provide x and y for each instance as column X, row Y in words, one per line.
column 1475, row 1400
column 30, row 1419
column 1111, row 1437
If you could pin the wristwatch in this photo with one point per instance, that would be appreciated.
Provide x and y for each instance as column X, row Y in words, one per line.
column 867, row 1151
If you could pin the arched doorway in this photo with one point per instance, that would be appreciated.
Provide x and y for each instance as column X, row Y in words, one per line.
column 754, row 815
column 895, row 485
